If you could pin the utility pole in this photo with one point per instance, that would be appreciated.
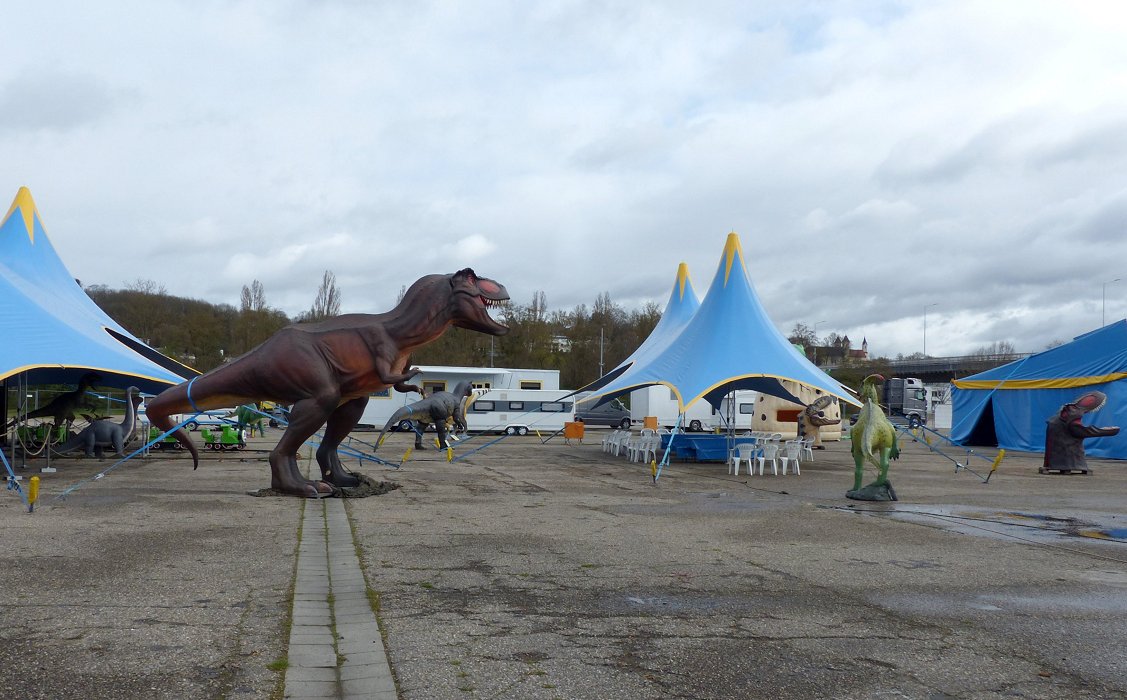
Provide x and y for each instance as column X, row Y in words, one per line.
column 600, row 351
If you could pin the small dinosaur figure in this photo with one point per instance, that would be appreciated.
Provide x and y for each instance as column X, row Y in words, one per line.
column 433, row 410
column 1065, row 435
column 65, row 406
column 874, row 439
column 250, row 418
column 100, row 434
column 327, row 369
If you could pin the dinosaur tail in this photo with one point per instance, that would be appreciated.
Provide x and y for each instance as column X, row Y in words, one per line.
column 168, row 402
column 400, row 414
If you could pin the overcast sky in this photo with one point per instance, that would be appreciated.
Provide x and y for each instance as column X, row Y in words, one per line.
column 877, row 159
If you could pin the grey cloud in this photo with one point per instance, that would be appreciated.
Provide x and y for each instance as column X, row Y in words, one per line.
column 54, row 100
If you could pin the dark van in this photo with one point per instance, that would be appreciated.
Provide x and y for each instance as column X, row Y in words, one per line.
column 612, row 413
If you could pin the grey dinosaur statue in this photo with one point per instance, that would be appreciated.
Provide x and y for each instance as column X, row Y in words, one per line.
column 433, row 410
column 63, row 407
column 94, row 438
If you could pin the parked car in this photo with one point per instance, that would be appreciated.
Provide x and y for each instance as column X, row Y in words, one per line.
column 613, row 413
column 208, row 419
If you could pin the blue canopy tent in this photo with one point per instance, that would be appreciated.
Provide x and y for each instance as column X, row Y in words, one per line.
column 729, row 343
column 52, row 332
column 683, row 303
column 1009, row 406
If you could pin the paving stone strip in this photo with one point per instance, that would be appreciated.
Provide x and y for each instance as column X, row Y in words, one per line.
column 335, row 646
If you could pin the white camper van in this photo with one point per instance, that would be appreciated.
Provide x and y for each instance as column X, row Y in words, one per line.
column 660, row 402
column 514, row 401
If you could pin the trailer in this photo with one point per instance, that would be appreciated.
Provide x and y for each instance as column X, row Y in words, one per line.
column 777, row 415
column 658, row 401
column 520, row 399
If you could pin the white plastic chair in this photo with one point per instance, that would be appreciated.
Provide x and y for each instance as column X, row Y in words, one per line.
column 647, row 450
column 792, row 450
column 609, row 439
column 808, row 448
column 744, row 452
column 768, row 453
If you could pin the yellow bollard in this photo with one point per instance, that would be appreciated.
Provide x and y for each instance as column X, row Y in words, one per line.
column 32, row 494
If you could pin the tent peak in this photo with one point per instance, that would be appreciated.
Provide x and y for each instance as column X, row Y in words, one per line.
column 28, row 210
column 732, row 249
column 683, row 281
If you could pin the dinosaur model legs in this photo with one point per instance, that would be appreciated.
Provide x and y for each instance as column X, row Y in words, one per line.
column 306, row 416
column 340, row 424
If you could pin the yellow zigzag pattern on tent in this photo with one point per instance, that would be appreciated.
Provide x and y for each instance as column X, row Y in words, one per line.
column 26, row 205
column 682, row 280
column 731, row 250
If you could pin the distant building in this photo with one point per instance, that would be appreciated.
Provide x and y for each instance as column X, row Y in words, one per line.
column 838, row 352
column 561, row 343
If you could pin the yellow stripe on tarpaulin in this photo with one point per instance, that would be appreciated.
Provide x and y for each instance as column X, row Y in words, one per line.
column 1058, row 383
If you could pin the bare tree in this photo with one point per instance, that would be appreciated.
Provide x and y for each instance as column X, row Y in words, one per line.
column 146, row 286
column 253, row 297
column 327, row 303
column 999, row 348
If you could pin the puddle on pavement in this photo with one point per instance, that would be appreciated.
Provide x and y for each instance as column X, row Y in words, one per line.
column 1005, row 524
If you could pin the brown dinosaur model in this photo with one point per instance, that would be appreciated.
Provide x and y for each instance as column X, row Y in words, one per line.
column 327, row 369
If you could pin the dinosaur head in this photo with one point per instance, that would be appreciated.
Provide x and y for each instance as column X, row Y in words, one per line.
column 869, row 387
column 819, row 405
column 1091, row 401
column 472, row 296
column 462, row 389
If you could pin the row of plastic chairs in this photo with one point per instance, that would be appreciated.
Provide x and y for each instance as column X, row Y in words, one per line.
column 762, row 454
column 636, row 448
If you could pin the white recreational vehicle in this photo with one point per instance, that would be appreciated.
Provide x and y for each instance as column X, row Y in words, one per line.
column 513, row 401
column 660, row 402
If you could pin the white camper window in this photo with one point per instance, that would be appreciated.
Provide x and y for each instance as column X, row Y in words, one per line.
column 552, row 407
column 482, row 406
column 530, row 384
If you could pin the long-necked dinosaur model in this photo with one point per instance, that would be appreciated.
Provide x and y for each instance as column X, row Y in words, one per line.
column 327, row 369
column 63, row 407
column 100, row 434
column 433, row 410
column 874, row 439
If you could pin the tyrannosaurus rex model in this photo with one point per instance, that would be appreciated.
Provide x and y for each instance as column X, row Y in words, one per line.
column 1065, row 435
column 63, row 407
column 874, row 439
column 327, row 369
column 433, row 410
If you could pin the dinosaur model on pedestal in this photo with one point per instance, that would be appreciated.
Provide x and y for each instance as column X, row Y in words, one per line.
column 249, row 418
column 63, row 408
column 1065, row 435
column 874, row 439
column 327, row 369
column 433, row 410
column 94, row 438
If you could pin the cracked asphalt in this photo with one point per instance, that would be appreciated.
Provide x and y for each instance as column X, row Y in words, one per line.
column 555, row 571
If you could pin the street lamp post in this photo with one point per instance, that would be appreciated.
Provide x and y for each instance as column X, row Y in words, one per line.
column 1103, row 314
column 816, row 341
column 934, row 303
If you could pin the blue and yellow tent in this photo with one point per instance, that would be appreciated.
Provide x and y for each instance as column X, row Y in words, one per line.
column 51, row 332
column 1009, row 406
column 725, row 344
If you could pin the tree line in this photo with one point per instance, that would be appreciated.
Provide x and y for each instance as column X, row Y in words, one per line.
column 582, row 343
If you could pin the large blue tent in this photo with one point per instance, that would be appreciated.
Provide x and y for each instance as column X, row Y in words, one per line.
column 728, row 343
column 52, row 332
column 683, row 303
column 1009, row 406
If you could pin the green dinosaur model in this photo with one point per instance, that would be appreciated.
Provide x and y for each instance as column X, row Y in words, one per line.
column 874, row 439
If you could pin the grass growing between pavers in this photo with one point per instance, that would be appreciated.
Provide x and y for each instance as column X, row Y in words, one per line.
column 372, row 594
column 279, row 666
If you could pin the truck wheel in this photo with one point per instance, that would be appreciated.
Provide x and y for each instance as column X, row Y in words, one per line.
column 695, row 426
column 625, row 424
column 913, row 421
